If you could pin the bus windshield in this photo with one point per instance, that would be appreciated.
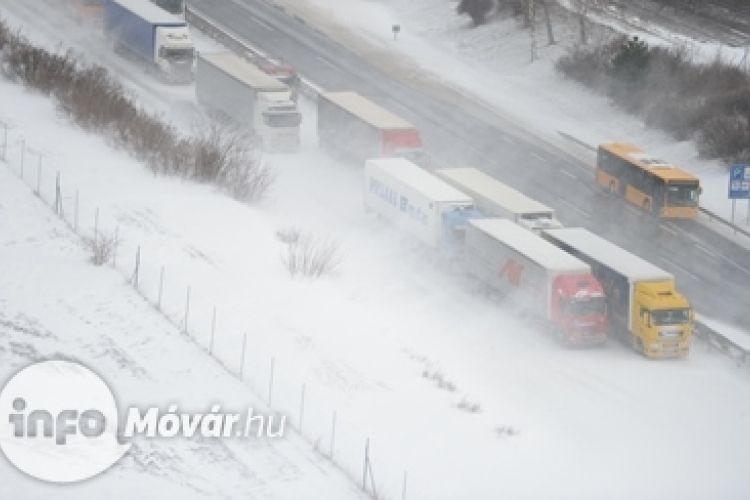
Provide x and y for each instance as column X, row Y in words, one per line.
column 670, row 317
column 684, row 195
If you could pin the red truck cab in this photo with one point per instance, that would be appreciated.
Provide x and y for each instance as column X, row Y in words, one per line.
column 579, row 310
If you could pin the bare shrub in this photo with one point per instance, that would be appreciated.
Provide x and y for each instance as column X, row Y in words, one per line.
column 289, row 235
column 506, row 430
column 727, row 133
column 220, row 153
column 311, row 256
column 439, row 379
column 102, row 248
column 469, row 407
column 229, row 154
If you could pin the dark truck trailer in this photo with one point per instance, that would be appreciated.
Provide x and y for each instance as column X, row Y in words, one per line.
column 154, row 36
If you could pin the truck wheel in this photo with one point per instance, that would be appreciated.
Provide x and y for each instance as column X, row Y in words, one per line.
column 638, row 345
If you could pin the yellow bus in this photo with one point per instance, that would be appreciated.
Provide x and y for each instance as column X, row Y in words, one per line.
column 653, row 185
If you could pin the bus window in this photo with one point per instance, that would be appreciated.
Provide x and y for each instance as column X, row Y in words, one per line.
column 682, row 195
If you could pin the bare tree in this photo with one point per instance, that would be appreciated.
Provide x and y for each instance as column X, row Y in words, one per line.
column 582, row 8
column 548, row 21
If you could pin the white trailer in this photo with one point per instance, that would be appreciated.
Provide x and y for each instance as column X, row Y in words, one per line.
column 495, row 199
column 355, row 128
column 417, row 202
column 235, row 87
column 539, row 276
column 644, row 303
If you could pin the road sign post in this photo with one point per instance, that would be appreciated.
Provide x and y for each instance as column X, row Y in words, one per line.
column 739, row 187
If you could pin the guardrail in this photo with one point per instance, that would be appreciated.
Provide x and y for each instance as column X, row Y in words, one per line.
column 235, row 43
column 711, row 215
column 717, row 341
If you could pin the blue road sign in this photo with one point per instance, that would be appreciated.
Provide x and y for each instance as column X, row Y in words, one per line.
column 739, row 182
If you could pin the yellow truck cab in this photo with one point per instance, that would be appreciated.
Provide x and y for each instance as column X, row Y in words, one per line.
column 645, row 307
column 661, row 319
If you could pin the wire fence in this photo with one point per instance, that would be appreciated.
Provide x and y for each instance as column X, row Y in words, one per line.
column 327, row 430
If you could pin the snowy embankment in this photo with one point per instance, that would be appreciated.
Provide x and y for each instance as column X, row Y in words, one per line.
column 55, row 305
column 491, row 64
column 399, row 346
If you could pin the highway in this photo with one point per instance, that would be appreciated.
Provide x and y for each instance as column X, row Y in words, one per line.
column 713, row 272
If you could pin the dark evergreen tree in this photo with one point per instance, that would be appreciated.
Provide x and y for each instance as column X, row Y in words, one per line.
column 630, row 64
column 477, row 10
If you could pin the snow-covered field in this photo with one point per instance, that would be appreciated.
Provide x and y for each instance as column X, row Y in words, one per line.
column 397, row 344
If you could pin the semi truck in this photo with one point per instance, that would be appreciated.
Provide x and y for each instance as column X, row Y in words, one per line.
column 495, row 199
column 644, row 305
column 540, row 277
column 418, row 203
column 154, row 36
column 233, row 86
column 354, row 128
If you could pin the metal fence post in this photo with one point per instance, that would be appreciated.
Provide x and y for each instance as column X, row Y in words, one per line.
column 23, row 153
column 187, row 310
column 333, row 432
column 75, row 216
column 161, row 287
column 137, row 267
column 302, row 408
column 96, row 224
column 242, row 361
column 270, row 382
column 117, row 242
column 213, row 332
column 58, row 207
column 39, row 177
column 403, row 487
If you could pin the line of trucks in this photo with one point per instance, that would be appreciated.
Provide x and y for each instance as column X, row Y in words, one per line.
column 224, row 82
column 581, row 284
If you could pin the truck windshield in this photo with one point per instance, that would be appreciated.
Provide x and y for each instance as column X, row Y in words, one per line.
column 591, row 306
column 538, row 216
column 290, row 80
column 670, row 317
column 682, row 195
column 186, row 54
column 282, row 119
